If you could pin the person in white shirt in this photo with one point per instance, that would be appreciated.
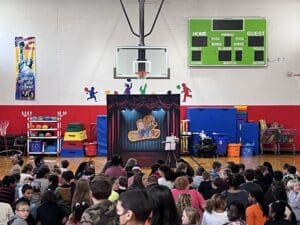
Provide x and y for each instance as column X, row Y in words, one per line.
column 215, row 212
column 6, row 213
column 167, row 176
column 26, row 174
column 198, row 178
column 64, row 166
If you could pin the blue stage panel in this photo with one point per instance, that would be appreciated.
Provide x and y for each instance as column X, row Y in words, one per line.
column 218, row 120
column 102, row 135
column 241, row 117
column 250, row 134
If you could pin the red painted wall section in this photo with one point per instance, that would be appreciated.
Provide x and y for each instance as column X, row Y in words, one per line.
column 75, row 113
column 286, row 115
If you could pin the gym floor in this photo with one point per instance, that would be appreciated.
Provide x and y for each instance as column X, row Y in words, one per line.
column 250, row 162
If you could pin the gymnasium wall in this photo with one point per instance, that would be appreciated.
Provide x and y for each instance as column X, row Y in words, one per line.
column 286, row 115
column 75, row 48
column 76, row 41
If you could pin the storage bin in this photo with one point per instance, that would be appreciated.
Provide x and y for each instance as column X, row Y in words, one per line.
column 35, row 146
column 233, row 150
column 50, row 148
column 247, row 149
column 221, row 140
column 90, row 149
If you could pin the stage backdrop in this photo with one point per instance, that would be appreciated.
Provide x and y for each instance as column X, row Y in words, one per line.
column 138, row 124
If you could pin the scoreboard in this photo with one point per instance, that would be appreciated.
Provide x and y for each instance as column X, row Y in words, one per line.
column 227, row 42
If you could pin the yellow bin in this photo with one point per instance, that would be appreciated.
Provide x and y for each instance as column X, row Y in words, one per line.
column 233, row 150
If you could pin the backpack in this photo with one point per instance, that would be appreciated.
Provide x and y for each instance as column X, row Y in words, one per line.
column 10, row 222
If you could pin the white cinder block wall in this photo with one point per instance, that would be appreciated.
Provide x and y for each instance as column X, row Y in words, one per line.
column 76, row 42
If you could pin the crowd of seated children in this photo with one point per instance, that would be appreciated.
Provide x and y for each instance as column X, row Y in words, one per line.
column 229, row 194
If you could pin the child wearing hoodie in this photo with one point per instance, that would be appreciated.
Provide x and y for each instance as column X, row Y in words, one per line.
column 22, row 212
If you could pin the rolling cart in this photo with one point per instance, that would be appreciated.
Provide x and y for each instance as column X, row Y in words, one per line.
column 269, row 140
column 287, row 140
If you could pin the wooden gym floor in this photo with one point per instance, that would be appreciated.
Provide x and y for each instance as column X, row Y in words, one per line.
column 250, row 162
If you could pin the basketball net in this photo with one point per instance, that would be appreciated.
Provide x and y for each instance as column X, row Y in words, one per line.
column 142, row 76
column 3, row 126
column 297, row 78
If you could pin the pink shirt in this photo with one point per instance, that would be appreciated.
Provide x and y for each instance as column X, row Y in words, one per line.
column 196, row 198
column 115, row 171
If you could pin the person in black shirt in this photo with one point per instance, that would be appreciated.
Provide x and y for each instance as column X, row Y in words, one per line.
column 205, row 186
column 49, row 213
column 278, row 216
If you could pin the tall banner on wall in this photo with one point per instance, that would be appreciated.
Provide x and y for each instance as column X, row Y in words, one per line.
column 25, row 68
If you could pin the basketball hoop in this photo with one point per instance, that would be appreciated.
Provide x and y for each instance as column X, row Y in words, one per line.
column 3, row 126
column 142, row 74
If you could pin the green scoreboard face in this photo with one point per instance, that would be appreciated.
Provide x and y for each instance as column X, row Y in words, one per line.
column 227, row 42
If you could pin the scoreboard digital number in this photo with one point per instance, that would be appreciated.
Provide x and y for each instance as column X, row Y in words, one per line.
column 227, row 42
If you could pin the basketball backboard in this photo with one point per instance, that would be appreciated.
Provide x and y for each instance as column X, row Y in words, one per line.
column 132, row 59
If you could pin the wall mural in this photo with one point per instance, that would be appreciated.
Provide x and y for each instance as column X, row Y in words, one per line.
column 143, row 89
column 91, row 93
column 186, row 92
column 128, row 86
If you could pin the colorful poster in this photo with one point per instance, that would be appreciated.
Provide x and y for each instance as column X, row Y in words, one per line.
column 25, row 68
column 146, row 129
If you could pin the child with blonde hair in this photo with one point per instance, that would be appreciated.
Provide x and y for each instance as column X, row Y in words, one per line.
column 183, row 201
column 294, row 197
column 290, row 185
column 215, row 212
column 190, row 216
